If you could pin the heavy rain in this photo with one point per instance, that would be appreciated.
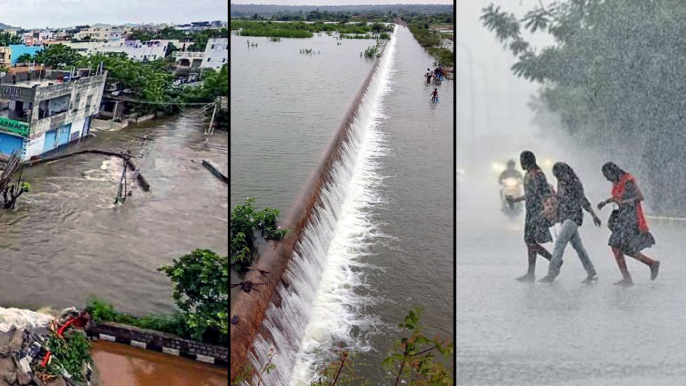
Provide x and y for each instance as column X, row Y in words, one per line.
column 582, row 82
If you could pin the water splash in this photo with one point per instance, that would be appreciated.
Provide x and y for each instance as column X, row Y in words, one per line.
column 319, row 307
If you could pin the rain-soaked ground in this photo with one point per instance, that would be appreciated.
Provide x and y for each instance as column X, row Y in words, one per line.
column 567, row 333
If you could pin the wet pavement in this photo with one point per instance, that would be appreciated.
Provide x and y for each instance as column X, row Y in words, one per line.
column 567, row 333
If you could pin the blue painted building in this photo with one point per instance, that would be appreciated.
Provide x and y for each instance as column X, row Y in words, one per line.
column 43, row 110
column 17, row 50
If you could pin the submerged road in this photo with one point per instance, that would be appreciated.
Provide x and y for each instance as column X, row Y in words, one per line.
column 567, row 333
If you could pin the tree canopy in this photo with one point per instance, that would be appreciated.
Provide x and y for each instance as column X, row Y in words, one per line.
column 616, row 77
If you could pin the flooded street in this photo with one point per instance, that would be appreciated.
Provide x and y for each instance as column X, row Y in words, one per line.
column 67, row 240
column 121, row 365
column 565, row 333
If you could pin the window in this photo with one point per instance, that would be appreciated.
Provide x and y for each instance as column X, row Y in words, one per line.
column 89, row 101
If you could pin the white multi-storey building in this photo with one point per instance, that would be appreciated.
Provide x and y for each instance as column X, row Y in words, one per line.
column 216, row 53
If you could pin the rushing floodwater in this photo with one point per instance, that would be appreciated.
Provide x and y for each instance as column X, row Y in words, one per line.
column 67, row 240
column 393, row 223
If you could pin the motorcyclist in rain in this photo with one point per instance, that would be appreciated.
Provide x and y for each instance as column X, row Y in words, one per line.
column 510, row 172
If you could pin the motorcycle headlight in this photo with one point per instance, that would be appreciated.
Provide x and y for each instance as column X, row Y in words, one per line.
column 510, row 182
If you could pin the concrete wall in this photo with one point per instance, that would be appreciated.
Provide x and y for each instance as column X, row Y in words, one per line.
column 34, row 145
column 93, row 85
column 250, row 308
column 160, row 342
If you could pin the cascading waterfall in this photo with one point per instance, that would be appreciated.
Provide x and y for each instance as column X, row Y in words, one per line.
column 318, row 305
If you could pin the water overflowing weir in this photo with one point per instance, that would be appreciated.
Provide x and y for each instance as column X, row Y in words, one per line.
column 276, row 317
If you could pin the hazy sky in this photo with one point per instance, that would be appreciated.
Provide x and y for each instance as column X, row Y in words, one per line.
column 64, row 13
column 341, row 2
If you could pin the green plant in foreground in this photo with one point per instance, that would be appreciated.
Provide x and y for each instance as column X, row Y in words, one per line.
column 245, row 221
column 416, row 361
column 411, row 361
column 69, row 354
column 247, row 373
column 201, row 288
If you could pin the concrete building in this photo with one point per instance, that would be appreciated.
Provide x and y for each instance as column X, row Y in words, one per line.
column 17, row 50
column 5, row 56
column 216, row 53
column 134, row 49
column 188, row 59
column 41, row 110
column 100, row 33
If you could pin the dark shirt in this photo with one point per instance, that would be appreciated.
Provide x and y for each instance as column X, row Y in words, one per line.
column 571, row 200
column 536, row 189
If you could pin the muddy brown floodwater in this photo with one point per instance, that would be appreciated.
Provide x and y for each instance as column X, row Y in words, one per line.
column 121, row 365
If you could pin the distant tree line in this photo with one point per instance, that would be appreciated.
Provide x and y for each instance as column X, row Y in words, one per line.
column 384, row 13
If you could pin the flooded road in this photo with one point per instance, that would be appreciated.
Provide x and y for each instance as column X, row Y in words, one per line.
column 121, row 365
column 67, row 240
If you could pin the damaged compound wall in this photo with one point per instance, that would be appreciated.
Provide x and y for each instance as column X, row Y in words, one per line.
column 160, row 342
column 248, row 311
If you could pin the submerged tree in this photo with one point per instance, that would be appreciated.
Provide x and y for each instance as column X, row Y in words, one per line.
column 616, row 77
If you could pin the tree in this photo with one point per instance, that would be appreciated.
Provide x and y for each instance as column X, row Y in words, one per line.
column 25, row 58
column 616, row 79
column 7, row 39
column 58, row 56
column 201, row 288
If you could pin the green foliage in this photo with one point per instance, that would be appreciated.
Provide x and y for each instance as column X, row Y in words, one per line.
column 174, row 323
column 614, row 78
column 25, row 58
column 430, row 39
column 58, row 56
column 411, row 362
column 201, row 287
column 413, row 358
column 245, row 221
column 301, row 29
column 371, row 52
column 201, row 281
column 7, row 38
column 69, row 354
column 341, row 371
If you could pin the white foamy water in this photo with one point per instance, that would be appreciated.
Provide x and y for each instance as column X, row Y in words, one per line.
column 320, row 308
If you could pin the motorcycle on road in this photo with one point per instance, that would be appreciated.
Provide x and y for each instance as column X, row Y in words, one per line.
column 510, row 187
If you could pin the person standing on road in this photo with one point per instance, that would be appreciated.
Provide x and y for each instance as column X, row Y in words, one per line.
column 536, row 226
column 570, row 200
column 630, row 232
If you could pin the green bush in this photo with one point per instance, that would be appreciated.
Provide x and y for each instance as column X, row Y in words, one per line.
column 69, row 354
column 201, row 291
column 245, row 221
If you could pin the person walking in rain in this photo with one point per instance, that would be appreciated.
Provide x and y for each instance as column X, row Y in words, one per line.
column 536, row 232
column 428, row 75
column 434, row 95
column 570, row 199
column 630, row 233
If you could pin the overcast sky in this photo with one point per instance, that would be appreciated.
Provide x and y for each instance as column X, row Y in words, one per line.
column 341, row 2
column 65, row 13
